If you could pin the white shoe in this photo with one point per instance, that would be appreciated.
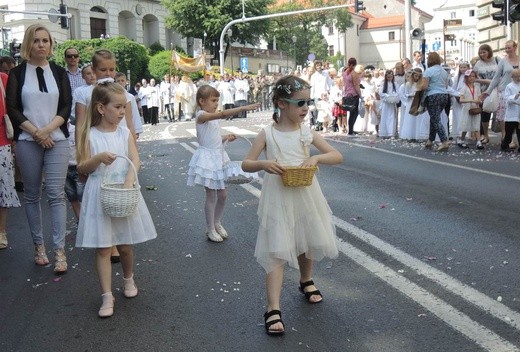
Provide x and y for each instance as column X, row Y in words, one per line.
column 213, row 236
column 221, row 230
column 129, row 287
column 107, row 308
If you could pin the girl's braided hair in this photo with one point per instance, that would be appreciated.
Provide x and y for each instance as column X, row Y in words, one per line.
column 285, row 88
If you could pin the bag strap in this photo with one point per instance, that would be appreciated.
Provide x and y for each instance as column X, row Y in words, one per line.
column 3, row 96
column 305, row 150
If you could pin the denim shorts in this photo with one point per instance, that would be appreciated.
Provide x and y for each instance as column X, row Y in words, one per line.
column 73, row 187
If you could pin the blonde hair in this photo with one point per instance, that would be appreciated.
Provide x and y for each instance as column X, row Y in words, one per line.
column 28, row 39
column 359, row 69
column 102, row 54
column 102, row 94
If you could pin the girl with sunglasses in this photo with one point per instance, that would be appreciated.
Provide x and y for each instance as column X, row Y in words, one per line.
column 295, row 222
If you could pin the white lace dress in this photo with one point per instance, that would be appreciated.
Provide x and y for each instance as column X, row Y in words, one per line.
column 95, row 229
column 210, row 165
column 293, row 220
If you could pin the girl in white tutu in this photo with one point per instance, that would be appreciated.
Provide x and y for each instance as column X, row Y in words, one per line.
column 101, row 140
column 207, row 166
column 295, row 222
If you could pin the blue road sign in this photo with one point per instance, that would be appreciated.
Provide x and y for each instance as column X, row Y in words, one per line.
column 244, row 65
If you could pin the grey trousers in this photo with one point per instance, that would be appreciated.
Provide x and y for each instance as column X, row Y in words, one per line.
column 34, row 161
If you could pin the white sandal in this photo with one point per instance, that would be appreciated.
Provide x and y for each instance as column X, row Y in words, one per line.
column 213, row 236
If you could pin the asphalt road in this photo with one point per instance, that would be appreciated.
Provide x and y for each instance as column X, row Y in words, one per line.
column 429, row 255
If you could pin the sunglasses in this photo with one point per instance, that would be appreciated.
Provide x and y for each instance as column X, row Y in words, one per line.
column 300, row 102
column 72, row 56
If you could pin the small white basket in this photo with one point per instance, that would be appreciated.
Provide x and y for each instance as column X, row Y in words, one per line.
column 116, row 200
column 240, row 178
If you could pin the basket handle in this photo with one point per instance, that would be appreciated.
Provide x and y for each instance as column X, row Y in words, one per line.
column 244, row 138
column 131, row 166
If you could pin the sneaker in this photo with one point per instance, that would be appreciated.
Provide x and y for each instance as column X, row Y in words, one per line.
column 221, row 230
column 60, row 265
column 40, row 257
column 213, row 236
column 479, row 145
column 3, row 240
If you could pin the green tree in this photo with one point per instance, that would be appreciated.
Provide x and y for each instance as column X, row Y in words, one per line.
column 193, row 18
column 129, row 54
column 306, row 28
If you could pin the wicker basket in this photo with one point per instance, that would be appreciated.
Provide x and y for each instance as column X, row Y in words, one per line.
column 117, row 201
column 297, row 176
column 237, row 179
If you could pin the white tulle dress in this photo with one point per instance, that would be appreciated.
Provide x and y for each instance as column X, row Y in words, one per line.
column 293, row 220
column 95, row 229
column 210, row 165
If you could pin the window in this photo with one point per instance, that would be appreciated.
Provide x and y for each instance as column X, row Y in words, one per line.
column 331, row 50
column 453, row 15
column 391, row 36
column 331, row 29
column 471, row 13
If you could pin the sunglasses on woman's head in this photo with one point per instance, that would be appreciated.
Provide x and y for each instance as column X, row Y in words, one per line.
column 299, row 102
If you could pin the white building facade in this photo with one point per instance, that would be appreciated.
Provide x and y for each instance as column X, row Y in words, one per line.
column 139, row 20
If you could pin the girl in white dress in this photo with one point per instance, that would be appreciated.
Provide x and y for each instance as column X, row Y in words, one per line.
column 389, row 99
column 102, row 139
column 295, row 222
column 207, row 165
column 469, row 98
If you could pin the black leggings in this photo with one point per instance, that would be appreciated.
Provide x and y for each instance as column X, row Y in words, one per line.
column 511, row 126
column 352, row 105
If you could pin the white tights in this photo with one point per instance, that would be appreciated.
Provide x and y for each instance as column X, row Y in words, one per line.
column 214, row 207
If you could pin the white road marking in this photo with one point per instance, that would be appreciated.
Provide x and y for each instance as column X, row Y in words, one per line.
column 459, row 321
column 430, row 160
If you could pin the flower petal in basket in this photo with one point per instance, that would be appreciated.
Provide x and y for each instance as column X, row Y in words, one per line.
column 234, row 175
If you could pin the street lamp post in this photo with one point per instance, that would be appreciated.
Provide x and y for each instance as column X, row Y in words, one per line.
column 294, row 50
column 229, row 33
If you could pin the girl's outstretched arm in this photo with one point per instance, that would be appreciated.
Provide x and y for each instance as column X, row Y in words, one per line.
column 208, row 116
column 251, row 162
column 328, row 155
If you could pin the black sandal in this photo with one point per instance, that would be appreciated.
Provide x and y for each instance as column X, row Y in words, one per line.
column 309, row 294
column 268, row 324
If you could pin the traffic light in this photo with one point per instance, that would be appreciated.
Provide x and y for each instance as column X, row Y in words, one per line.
column 358, row 6
column 64, row 20
column 514, row 11
column 501, row 15
column 14, row 48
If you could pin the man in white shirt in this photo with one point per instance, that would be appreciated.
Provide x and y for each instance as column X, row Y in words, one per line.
column 227, row 92
column 320, row 83
column 165, row 89
column 241, row 91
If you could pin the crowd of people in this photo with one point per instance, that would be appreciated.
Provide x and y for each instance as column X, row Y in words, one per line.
column 456, row 102
column 72, row 125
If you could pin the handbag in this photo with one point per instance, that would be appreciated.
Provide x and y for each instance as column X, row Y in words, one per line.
column 349, row 103
column 475, row 111
column 9, row 130
column 490, row 104
column 416, row 108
